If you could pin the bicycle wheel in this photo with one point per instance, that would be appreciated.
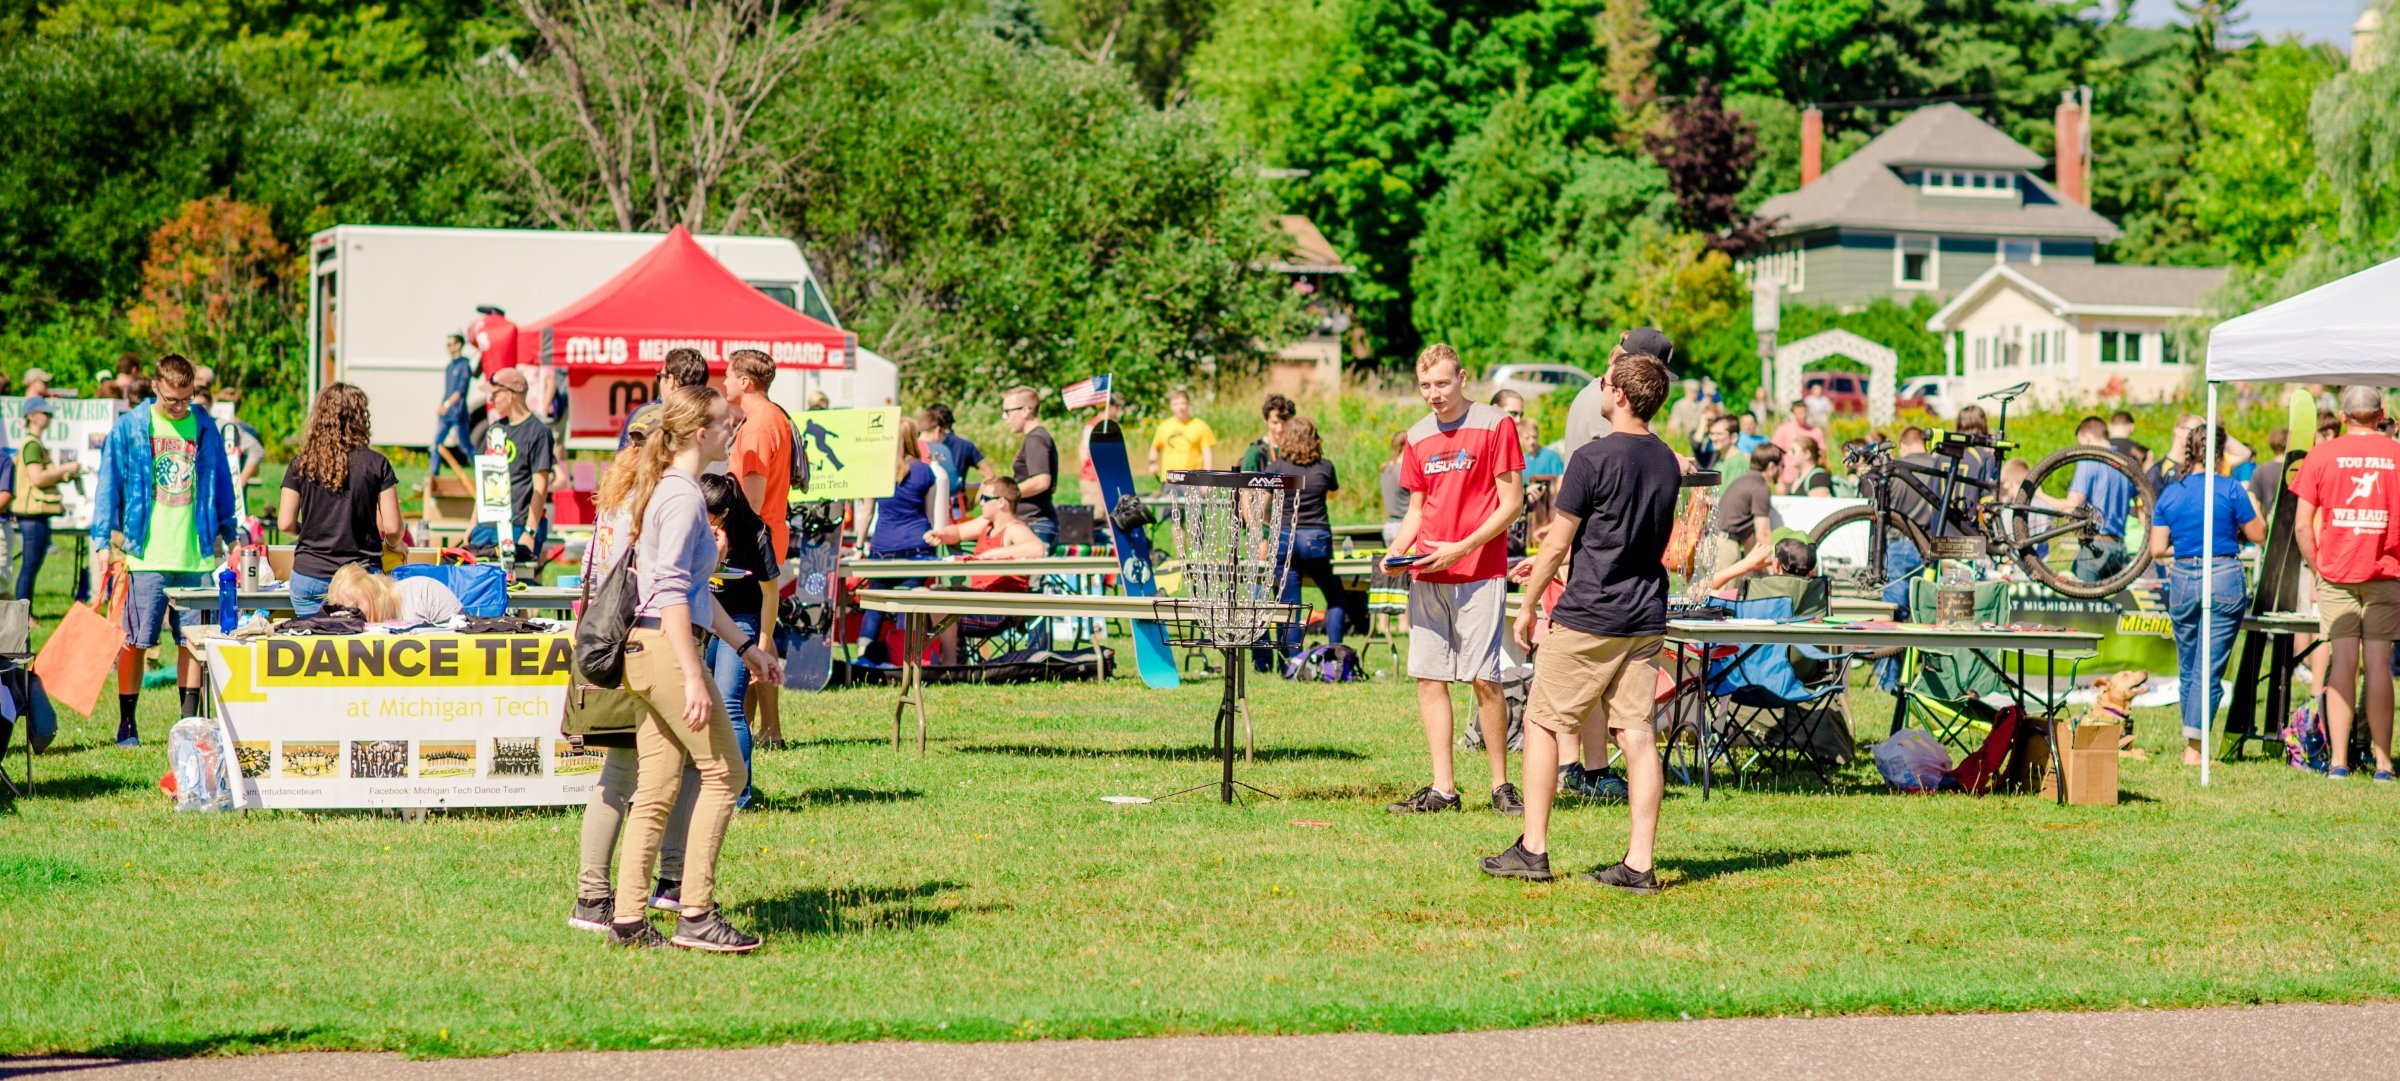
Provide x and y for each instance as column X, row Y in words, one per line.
column 2071, row 552
column 1851, row 543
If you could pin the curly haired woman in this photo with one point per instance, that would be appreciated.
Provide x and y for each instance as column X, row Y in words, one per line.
column 340, row 498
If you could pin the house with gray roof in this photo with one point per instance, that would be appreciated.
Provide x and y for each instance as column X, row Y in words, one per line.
column 2079, row 332
column 1925, row 208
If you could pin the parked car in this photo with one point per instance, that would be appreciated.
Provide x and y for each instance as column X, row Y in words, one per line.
column 1848, row 390
column 1934, row 394
column 1535, row 380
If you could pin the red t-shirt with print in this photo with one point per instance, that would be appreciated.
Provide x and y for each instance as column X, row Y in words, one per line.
column 1458, row 466
column 2355, row 482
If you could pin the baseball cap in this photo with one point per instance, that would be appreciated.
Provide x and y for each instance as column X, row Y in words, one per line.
column 645, row 421
column 36, row 375
column 510, row 378
column 36, row 405
column 1649, row 340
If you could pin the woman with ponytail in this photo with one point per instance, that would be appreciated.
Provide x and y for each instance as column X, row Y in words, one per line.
column 2184, row 510
column 652, row 508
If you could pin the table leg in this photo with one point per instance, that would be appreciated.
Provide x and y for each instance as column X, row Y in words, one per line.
column 910, row 632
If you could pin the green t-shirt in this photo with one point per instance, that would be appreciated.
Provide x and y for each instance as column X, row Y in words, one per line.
column 174, row 541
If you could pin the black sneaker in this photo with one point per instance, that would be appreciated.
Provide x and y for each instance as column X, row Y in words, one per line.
column 592, row 913
column 1518, row 863
column 667, row 896
column 637, row 935
column 1426, row 800
column 709, row 931
column 1508, row 801
column 1603, row 786
column 1619, row 876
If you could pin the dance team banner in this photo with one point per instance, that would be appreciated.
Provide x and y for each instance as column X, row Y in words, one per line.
column 399, row 720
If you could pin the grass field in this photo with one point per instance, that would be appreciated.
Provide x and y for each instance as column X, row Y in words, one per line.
column 985, row 892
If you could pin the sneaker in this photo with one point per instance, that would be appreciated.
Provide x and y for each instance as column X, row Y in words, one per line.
column 2383, row 776
column 709, row 931
column 638, row 935
column 1625, row 878
column 592, row 913
column 1570, row 776
column 130, row 741
column 1604, row 787
column 1508, row 801
column 667, row 896
column 2337, row 773
column 1425, row 800
column 1518, row 863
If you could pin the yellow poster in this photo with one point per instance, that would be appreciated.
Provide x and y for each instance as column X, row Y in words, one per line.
column 851, row 452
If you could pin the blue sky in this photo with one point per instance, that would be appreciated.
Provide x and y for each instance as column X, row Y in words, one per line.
column 2315, row 20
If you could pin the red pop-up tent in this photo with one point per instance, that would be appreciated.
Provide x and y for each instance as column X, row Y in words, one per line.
column 613, row 340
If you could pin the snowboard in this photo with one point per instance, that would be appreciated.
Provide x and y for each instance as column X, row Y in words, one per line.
column 1115, row 470
column 816, row 550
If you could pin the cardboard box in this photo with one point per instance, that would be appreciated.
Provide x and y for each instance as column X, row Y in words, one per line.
column 2088, row 753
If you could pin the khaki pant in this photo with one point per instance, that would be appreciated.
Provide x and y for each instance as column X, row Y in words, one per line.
column 1577, row 674
column 604, row 821
column 666, row 747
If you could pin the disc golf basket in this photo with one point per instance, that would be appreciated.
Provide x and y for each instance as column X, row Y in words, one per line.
column 1234, row 530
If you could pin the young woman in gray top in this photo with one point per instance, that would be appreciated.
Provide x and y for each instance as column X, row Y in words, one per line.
column 652, row 502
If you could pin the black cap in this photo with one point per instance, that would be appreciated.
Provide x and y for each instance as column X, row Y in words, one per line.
column 1648, row 340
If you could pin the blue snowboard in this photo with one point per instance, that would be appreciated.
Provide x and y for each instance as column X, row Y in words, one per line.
column 1115, row 471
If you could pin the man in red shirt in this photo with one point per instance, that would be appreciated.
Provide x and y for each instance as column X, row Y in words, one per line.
column 761, row 460
column 2349, row 489
column 1464, row 473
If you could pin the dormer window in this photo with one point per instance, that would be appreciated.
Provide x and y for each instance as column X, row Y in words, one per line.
column 1976, row 182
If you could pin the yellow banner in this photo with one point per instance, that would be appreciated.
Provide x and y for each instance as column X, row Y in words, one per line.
column 377, row 661
column 852, row 453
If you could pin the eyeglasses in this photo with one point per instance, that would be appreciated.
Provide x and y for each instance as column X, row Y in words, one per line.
column 169, row 399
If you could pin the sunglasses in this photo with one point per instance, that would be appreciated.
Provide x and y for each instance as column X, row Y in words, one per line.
column 991, row 499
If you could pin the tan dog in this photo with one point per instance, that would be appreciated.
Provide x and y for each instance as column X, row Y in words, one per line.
column 2115, row 706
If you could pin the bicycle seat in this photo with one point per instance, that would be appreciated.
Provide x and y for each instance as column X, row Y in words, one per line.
column 2009, row 394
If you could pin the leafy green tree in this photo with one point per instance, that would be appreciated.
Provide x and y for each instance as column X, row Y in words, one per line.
column 1404, row 80
column 1256, row 65
column 102, row 138
column 2254, row 189
column 987, row 213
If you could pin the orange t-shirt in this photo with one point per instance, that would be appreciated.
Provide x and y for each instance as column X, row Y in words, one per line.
column 764, row 447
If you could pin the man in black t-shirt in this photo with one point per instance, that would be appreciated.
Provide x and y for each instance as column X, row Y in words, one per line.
column 1036, row 467
column 1615, row 514
column 516, row 434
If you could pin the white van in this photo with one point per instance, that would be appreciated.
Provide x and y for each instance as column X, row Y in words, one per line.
column 383, row 298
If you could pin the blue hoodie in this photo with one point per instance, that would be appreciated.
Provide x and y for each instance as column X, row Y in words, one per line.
column 123, row 502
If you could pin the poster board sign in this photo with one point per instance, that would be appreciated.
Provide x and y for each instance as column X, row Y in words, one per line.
column 78, row 428
column 491, row 489
column 851, row 452
column 399, row 720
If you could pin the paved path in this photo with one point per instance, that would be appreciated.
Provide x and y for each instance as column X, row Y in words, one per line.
column 2256, row 1044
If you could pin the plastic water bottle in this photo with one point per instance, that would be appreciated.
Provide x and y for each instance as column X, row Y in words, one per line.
column 229, row 600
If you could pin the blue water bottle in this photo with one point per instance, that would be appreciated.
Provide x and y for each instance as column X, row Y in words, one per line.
column 229, row 600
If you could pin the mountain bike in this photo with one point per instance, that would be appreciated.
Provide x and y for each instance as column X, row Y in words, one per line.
column 1954, row 507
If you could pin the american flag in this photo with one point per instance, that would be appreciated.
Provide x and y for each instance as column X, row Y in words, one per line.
column 1093, row 391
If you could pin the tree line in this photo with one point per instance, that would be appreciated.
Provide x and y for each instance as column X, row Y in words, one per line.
column 997, row 191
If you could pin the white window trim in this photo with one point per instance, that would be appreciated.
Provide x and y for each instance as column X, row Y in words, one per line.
column 2125, row 338
column 1933, row 262
column 2000, row 252
column 1957, row 182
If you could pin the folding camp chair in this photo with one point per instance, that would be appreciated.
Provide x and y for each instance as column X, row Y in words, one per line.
column 1773, row 715
column 1953, row 693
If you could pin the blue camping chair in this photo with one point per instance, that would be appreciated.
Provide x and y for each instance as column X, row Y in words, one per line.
column 1776, row 714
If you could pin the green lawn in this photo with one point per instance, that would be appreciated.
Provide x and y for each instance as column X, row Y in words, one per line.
column 984, row 892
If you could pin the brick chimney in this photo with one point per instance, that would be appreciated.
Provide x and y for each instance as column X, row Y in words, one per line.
column 1812, row 145
column 2067, row 157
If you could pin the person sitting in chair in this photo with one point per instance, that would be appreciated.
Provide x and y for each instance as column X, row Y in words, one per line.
column 998, row 534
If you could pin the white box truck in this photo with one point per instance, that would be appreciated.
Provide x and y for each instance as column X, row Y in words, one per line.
column 383, row 298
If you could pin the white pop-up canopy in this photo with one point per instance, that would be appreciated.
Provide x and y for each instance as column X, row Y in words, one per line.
column 2345, row 332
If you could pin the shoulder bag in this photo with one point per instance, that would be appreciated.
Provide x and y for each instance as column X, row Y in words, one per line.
column 597, row 703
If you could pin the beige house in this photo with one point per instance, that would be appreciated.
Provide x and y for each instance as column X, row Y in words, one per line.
column 2079, row 332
